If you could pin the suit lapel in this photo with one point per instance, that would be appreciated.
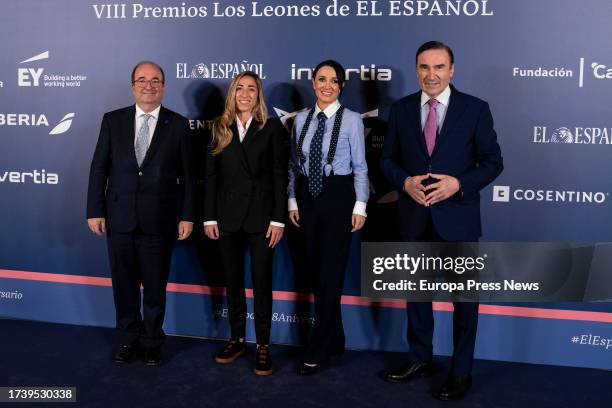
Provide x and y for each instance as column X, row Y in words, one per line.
column 129, row 123
column 237, row 146
column 414, row 119
column 456, row 107
column 161, row 129
column 248, row 138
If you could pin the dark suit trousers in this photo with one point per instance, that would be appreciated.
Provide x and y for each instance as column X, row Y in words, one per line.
column 421, row 323
column 232, row 247
column 137, row 258
column 326, row 224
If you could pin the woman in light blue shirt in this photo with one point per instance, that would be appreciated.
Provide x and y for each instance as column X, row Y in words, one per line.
column 328, row 191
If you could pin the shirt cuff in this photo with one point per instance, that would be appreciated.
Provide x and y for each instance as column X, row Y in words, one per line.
column 292, row 204
column 404, row 184
column 360, row 208
column 210, row 223
column 277, row 224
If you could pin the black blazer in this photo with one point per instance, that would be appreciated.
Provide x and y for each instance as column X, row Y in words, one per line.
column 148, row 196
column 466, row 148
column 246, row 184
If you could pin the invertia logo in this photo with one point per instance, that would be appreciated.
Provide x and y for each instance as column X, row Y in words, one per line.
column 504, row 194
column 33, row 77
column 27, row 177
column 363, row 73
column 217, row 70
column 575, row 135
column 33, row 119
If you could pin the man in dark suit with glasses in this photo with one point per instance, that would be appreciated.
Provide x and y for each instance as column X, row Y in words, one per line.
column 141, row 195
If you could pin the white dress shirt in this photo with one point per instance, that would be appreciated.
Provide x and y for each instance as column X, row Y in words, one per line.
column 242, row 130
column 441, row 109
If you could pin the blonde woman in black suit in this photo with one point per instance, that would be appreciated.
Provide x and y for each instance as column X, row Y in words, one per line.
column 245, row 205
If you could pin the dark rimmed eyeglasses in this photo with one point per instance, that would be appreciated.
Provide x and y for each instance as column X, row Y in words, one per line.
column 142, row 83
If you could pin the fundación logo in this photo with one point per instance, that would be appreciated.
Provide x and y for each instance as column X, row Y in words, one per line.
column 364, row 73
column 575, row 135
column 597, row 71
column 35, row 76
column 36, row 120
column 505, row 194
column 217, row 70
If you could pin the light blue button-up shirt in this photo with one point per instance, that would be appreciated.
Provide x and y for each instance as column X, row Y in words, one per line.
column 350, row 152
column 443, row 100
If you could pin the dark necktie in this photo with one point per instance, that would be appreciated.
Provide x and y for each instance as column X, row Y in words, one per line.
column 315, row 159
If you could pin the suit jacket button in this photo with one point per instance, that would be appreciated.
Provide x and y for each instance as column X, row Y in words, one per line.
column 140, row 173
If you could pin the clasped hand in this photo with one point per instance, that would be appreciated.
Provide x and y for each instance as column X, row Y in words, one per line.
column 433, row 193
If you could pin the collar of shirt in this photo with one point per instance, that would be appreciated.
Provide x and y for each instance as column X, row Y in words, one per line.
column 442, row 98
column 329, row 111
column 140, row 120
column 154, row 113
column 242, row 130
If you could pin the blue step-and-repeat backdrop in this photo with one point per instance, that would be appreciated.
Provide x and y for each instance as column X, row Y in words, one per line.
column 544, row 66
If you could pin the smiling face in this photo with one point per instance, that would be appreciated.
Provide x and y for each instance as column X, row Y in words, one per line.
column 434, row 71
column 148, row 96
column 326, row 86
column 246, row 95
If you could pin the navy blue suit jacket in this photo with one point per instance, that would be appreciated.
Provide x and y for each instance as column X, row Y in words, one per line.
column 148, row 196
column 466, row 148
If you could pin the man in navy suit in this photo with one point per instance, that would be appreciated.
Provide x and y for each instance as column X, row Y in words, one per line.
column 440, row 151
column 141, row 194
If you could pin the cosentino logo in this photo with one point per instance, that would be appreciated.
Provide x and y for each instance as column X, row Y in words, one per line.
column 29, row 75
column 575, row 135
column 364, row 73
column 217, row 70
column 36, row 120
column 29, row 177
column 505, row 194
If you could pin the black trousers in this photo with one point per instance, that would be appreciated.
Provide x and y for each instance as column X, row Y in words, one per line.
column 326, row 224
column 140, row 259
column 232, row 247
column 421, row 323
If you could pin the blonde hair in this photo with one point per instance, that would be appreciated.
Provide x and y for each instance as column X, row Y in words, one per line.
column 221, row 128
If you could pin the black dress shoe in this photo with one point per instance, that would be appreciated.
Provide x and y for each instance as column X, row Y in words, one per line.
column 305, row 369
column 232, row 350
column 263, row 362
column 152, row 356
column 408, row 372
column 454, row 388
column 125, row 353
